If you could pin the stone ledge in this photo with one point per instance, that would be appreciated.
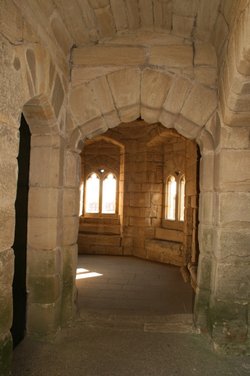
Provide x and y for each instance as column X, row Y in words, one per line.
column 164, row 251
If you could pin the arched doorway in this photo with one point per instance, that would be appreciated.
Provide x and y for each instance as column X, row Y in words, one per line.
column 20, row 242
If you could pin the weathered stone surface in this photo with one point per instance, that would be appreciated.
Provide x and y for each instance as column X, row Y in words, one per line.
column 72, row 170
column 8, row 181
column 125, row 87
column 83, row 104
column 232, row 170
column 5, row 353
column 6, row 268
column 43, row 262
column 233, row 208
column 232, row 279
column 49, row 173
column 164, row 251
column 154, row 88
column 183, row 25
column 43, row 202
column 187, row 8
column 146, row 13
column 105, row 21
column 9, row 141
column 206, row 76
column 118, row 8
column 93, row 128
column 71, row 198
column 57, row 95
column 44, row 319
column 103, row 94
column 171, row 235
column 171, row 56
column 7, row 227
column 186, row 128
column 70, row 230
column 229, row 327
column 44, row 289
column 200, row 104
column 206, row 207
column 232, row 244
column 177, row 95
column 42, row 233
column 205, row 54
column 109, row 55
column 207, row 13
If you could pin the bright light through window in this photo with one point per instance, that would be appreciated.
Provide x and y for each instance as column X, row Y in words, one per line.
column 81, row 200
column 92, row 194
column 171, row 198
column 109, row 194
column 82, row 273
column 182, row 199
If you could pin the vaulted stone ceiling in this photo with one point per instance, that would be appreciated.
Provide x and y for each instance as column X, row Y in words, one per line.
column 77, row 22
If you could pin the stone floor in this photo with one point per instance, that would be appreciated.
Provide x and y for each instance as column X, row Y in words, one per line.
column 134, row 318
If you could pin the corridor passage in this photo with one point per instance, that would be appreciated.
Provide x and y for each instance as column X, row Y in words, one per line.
column 134, row 318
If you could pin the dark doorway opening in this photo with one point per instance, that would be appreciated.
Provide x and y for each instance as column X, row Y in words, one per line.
column 20, row 241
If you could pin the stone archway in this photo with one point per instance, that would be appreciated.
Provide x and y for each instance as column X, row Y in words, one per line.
column 156, row 96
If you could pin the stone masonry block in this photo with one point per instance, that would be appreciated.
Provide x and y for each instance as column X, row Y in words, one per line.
column 125, row 87
column 6, row 267
column 232, row 170
column 71, row 199
column 205, row 54
column 232, row 244
column 6, row 348
column 7, row 227
column 48, row 175
column 72, row 170
column 83, row 104
column 233, row 281
column 43, row 262
column 70, row 230
column 44, row 289
column 43, row 319
column 139, row 200
column 103, row 94
column 171, row 56
column 9, row 141
column 43, row 202
column 177, row 95
column 109, row 55
column 42, row 233
column 233, row 208
column 155, row 86
column 200, row 104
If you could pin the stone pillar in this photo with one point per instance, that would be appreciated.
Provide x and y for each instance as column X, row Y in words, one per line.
column 230, row 298
column 8, row 178
column 71, row 203
column 206, row 243
column 44, row 278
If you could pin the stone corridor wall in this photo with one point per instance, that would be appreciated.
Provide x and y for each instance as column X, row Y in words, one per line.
column 160, row 76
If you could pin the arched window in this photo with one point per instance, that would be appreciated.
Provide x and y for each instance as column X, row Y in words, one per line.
column 175, row 198
column 109, row 194
column 101, row 193
column 171, row 198
column 181, row 198
column 92, row 197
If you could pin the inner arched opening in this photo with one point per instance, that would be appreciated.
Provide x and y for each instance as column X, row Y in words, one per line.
column 144, row 158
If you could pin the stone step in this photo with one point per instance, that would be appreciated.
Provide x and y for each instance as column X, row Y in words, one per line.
column 96, row 239
column 100, row 220
column 95, row 228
